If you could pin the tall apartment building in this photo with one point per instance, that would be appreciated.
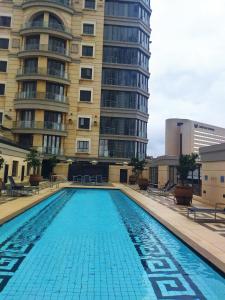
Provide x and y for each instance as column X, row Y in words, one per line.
column 74, row 76
column 187, row 136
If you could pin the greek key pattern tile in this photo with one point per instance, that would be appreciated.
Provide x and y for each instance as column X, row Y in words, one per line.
column 15, row 248
column 166, row 275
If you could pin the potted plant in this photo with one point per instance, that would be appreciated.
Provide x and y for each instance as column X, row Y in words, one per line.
column 52, row 162
column 143, row 183
column 184, row 192
column 34, row 161
column 132, row 179
column 138, row 167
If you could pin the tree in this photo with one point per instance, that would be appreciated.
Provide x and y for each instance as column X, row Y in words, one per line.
column 187, row 163
column 34, row 161
column 138, row 166
column 1, row 162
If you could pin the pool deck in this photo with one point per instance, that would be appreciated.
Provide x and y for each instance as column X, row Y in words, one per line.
column 205, row 241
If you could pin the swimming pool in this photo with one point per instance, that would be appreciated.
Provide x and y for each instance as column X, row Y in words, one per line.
column 98, row 244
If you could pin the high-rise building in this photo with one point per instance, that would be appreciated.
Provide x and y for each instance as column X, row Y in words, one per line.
column 185, row 136
column 74, row 76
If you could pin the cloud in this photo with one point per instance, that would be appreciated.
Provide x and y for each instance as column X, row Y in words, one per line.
column 187, row 65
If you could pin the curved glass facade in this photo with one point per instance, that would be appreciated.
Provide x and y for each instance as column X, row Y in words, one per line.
column 128, row 10
column 125, row 78
column 125, row 55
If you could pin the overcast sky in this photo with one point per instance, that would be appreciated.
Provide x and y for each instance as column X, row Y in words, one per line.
column 187, row 65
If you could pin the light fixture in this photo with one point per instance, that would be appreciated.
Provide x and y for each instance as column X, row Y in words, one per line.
column 125, row 163
column 94, row 162
column 69, row 161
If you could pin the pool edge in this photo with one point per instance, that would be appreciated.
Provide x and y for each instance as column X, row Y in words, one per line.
column 203, row 247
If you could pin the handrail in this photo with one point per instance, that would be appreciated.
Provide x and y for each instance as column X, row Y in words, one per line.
column 46, row 25
column 41, row 71
column 48, row 96
column 46, row 47
column 61, row 2
column 38, row 125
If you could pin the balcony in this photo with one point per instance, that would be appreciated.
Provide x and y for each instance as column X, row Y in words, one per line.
column 48, row 50
column 36, row 100
column 43, row 27
column 49, row 74
column 116, row 154
column 41, row 127
column 64, row 5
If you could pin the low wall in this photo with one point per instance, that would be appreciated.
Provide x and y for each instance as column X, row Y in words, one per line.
column 213, row 182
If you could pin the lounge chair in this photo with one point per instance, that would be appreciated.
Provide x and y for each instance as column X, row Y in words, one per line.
column 20, row 189
column 15, row 186
column 213, row 211
column 164, row 191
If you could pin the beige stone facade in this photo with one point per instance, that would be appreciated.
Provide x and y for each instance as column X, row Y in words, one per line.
column 187, row 136
column 69, row 33
column 14, row 161
column 213, row 174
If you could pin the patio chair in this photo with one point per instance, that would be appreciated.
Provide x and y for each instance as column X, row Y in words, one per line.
column 87, row 179
column 99, row 179
column 214, row 211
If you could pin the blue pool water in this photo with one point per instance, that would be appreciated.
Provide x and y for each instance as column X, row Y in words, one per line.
column 98, row 244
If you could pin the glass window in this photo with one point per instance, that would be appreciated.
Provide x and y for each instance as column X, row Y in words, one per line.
column 51, row 144
column 55, row 91
column 4, row 43
column 53, row 120
column 30, row 65
column 84, row 123
column 82, row 146
column 56, row 68
column 37, row 20
column 55, row 22
column 2, row 89
column 5, row 21
column 32, row 42
column 85, row 96
column 15, row 168
column 86, row 73
column 57, row 45
column 88, row 29
column 87, row 51
column 90, row 4
column 29, row 89
column 3, row 66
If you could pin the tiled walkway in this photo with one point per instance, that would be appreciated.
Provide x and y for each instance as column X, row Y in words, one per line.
column 206, row 220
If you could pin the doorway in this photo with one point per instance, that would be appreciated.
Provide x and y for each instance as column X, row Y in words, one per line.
column 123, row 175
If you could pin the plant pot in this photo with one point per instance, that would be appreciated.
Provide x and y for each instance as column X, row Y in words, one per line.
column 183, row 194
column 35, row 179
column 132, row 179
column 143, row 183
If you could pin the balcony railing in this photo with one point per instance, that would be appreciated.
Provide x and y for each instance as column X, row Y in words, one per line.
column 45, row 47
column 45, row 25
column 116, row 154
column 60, row 2
column 48, row 96
column 42, row 72
column 49, row 150
column 38, row 125
column 118, row 131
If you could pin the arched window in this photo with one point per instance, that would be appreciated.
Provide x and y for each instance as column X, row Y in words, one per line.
column 37, row 20
column 55, row 22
